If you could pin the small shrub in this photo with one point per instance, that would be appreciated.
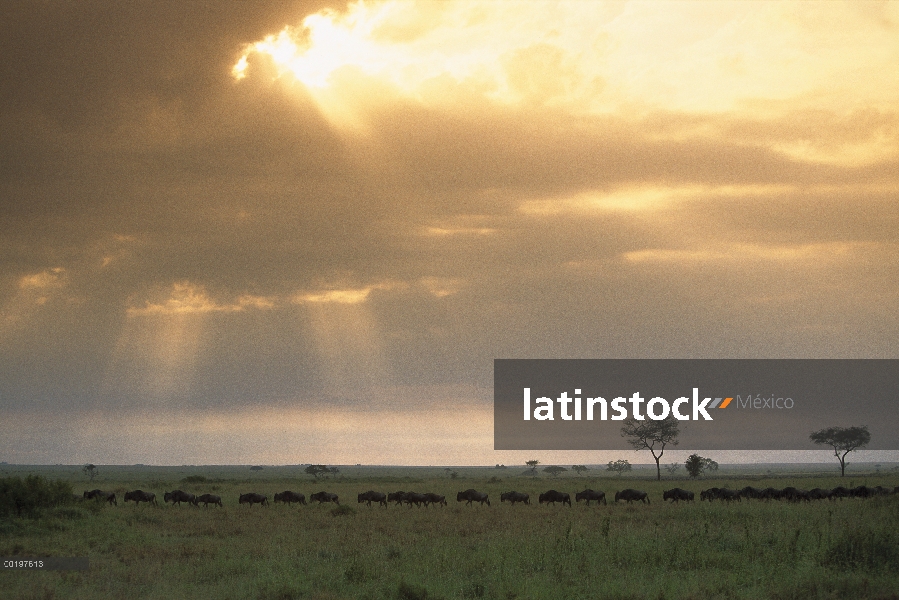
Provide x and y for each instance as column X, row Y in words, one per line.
column 343, row 510
column 194, row 479
column 68, row 513
column 864, row 549
column 358, row 573
column 409, row 591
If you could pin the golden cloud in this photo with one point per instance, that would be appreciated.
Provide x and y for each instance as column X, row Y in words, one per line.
column 190, row 299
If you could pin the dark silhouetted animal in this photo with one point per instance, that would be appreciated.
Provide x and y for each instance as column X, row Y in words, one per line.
column 324, row 497
column 709, row 494
column 589, row 495
column 396, row 497
column 729, row 495
column 472, row 496
column 818, row 494
column 839, row 492
column 552, row 496
column 208, row 499
column 98, row 495
column 177, row 497
column 139, row 496
column 791, row 494
column 861, row 492
column 631, row 495
column 677, row 494
column 432, row 498
column 514, row 497
column 371, row 496
column 289, row 497
column 416, row 499
column 253, row 498
column 719, row 494
column 751, row 492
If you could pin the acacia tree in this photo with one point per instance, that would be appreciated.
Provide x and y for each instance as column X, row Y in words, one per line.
column 579, row 469
column 90, row 470
column 709, row 465
column 696, row 464
column 317, row 470
column 842, row 439
column 533, row 465
column 618, row 466
column 652, row 435
column 554, row 471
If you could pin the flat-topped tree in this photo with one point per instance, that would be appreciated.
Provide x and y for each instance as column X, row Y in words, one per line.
column 843, row 440
column 317, row 470
column 653, row 435
column 90, row 470
column 619, row 466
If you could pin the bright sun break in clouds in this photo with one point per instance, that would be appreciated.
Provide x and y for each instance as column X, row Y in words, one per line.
column 763, row 59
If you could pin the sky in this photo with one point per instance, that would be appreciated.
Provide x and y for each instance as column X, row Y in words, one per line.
column 301, row 232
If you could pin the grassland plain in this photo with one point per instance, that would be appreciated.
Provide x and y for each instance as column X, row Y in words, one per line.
column 750, row 549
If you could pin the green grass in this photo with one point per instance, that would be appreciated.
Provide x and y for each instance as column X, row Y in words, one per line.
column 750, row 549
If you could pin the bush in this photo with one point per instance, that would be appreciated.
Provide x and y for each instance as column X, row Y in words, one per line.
column 863, row 549
column 27, row 497
column 194, row 479
column 343, row 510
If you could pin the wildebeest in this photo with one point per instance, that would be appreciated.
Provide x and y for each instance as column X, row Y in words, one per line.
column 371, row 496
column 208, row 499
column 514, row 497
column 751, row 492
column 818, row 494
column 397, row 497
column 109, row 497
column 473, row 496
column 729, row 495
column 709, row 494
column 139, row 496
column 632, row 495
column 589, row 495
column 861, row 492
column 289, row 497
column 177, row 497
column 839, row 492
column 432, row 498
column 677, row 494
column 771, row 493
column 324, row 497
column 719, row 494
column 552, row 496
column 415, row 498
column 791, row 494
column 253, row 498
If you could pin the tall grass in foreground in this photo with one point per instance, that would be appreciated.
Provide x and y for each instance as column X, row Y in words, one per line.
column 751, row 549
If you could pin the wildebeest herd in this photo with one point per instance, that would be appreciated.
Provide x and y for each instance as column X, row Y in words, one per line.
column 470, row 496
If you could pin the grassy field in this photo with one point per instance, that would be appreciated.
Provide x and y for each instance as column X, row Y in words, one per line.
column 751, row 549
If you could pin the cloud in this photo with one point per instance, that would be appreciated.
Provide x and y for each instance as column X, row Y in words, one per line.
column 441, row 184
column 187, row 298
